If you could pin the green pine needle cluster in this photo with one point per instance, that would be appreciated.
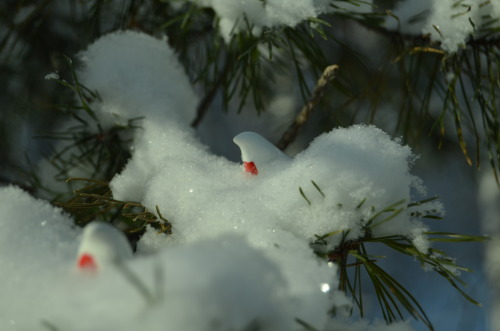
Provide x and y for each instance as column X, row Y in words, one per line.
column 94, row 201
column 353, row 256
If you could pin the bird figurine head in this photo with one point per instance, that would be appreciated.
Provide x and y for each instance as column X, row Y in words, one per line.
column 257, row 153
column 102, row 244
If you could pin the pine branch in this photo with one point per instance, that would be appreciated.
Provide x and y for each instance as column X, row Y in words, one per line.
column 412, row 54
column 291, row 133
column 95, row 201
column 392, row 296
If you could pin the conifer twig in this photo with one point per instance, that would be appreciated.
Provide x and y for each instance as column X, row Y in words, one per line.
column 292, row 131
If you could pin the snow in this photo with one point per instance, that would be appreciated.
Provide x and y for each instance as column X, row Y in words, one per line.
column 52, row 75
column 44, row 289
column 208, row 285
column 202, row 194
column 157, row 77
column 36, row 242
column 240, row 249
column 237, row 15
column 449, row 22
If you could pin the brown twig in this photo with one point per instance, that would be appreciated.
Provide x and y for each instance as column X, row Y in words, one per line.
column 291, row 133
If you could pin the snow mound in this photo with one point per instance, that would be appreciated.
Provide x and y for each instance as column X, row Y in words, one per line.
column 37, row 245
column 159, row 86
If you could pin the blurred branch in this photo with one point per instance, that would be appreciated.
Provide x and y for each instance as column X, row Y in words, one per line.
column 210, row 95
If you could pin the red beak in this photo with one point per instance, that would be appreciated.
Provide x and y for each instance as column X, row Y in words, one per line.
column 251, row 168
column 86, row 261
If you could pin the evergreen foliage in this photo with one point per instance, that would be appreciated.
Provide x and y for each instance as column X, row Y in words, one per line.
column 453, row 98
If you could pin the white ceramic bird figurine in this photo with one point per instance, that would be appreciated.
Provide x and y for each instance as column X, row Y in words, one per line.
column 258, row 153
column 102, row 244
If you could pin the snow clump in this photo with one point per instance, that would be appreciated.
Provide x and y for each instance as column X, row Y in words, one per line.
column 237, row 15
column 449, row 22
